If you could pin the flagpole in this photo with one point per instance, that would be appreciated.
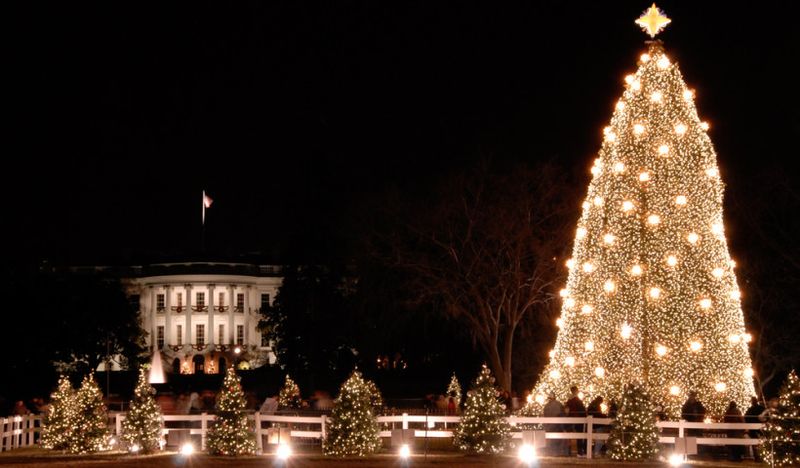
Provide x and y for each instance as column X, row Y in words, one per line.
column 203, row 225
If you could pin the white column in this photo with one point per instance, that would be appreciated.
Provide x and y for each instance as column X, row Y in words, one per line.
column 168, row 339
column 231, row 331
column 211, row 316
column 248, row 290
column 188, row 326
column 153, row 314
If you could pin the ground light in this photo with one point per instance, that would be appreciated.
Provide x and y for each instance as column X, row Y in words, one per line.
column 187, row 449
column 527, row 454
column 676, row 459
column 284, row 452
column 405, row 451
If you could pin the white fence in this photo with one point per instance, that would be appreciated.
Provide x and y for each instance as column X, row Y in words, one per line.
column 21, row 431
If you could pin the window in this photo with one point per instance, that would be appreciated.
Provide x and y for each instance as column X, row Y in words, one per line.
column 222, row 339
column 264, row 301
column 160, row 336
column 240, row 302
column 134, row 301
column 160, row 302
column 264, row 340
column 221, row 302
column 200, row 335
column 239, row 334
column 201, row 300
column 179, row 299
column 179, row 337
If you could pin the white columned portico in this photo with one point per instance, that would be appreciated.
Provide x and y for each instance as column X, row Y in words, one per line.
column 211, row 333
column 247, row 293
column 153, row 314
column 231, row 313
column 188, row 326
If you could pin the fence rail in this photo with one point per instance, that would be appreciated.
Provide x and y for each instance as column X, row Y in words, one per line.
column 23, row 431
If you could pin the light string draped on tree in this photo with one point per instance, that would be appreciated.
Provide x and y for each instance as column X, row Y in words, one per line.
column 651, row 295
column 231, row 432
column 142, row 426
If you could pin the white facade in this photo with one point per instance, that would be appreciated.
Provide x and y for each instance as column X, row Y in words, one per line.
column 201, row 320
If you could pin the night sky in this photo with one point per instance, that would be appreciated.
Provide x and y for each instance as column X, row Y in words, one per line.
column 291, row 114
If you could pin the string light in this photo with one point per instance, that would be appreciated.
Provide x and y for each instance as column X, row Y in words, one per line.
column 644, row 176
column 692, row 237
column 638, row 129
column 620, row 105
column 655, row 293
column 712, row 172
column 599, row 372
column 569, row 302
column 644, row 57
column 587, row 309
column 570, row 361
column 747, row 337
column 672, row 260
column 705, row 303
column 718, row 272
column 588, row 267
column 654, row 220
column 625, row 331
column 598, row 201
column 704, row 125
column 720, row 387
column 570, row 263
column 589, row 346
column 563, row 293
column 608, row 238
column 656, row 96
column 663, row 62
column 681, row 200
column 695, row 346
column 636, row 270
column 680, row 129
column 674, row 390
column 619, row 167
column 663, row 150
column 580, row 233
column 688, row 95
column 627, row 206
column 661, row 350
column 609, row 286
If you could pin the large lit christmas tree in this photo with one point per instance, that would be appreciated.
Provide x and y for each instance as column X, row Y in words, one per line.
column 231, row 433
column 781, row 433
column 141, row 428
column 59, row 421
column 634, row 435
column 90, row 427
column 651, row 295
column 454, row 389
column 483, row 428
column 353, row 429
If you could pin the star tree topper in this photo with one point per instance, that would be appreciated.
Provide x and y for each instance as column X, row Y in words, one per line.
column 653, row 21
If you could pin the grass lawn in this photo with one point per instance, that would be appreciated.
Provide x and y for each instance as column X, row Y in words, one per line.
column 43, row 458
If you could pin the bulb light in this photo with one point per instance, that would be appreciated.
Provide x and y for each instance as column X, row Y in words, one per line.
column 654, row 220
column 187, row 449
column 609, row 286
column 589, row 346
column 625, row 331
column 599, row 372
column 661, row 350
column 405, row 451
column 627, row 206
column 655, row 293
column 663, row 62
column 680, row 200
column 284, row 451
column 527, row 454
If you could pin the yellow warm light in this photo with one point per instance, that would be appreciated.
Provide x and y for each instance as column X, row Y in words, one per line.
column 636, row 270
column 644, row 57
column 629, row 79
column 620, row 105
column 609, row 286
column 563, row 293
column 735, row 339
column 608, row 238
column 712, row 172
column 717, row 229
column 653, row 21
column 619, row 167
column 595, row 170
column 695, row 346
column 693, row 238
column 588, row 267
column 610, row 137
column 598, row 201
column 627, row 206
column 587, row 309
column 705, row 303
column 539, row 398
column 655, row 293
column 674, row 390
column 636, row 85
column 589, row 346
column 672, row 260
column 747, row 337
column 585, row 205
column 705, row 125
column 663, row 62
column 599, row 372
column 688, row 94
column 638, row 129
column 570, row 361
column 580, row 233
column 718, row 272
column 570, row 263
column 625, row 331
column 680, row 129
column 749, row 372
column 569, row 302
column 560, row 323
column 661, row 350
column 654, row 219
column 644, row 177
column 656, row 96
column 551, row 353
column 555, row 374
column 663, row 150
column 720, row 387
column 736, row 294
column 681, row 200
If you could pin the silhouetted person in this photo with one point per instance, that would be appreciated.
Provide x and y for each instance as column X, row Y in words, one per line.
column 693, row 411
column 595, row 410
column 734, row 415
column 751, row 417
column 576, row 409
column 554, row 409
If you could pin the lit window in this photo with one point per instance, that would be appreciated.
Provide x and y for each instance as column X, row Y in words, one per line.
column 239, row 334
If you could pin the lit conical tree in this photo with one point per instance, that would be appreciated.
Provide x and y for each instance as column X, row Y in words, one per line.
column 483, row 428
column 781, row 433
column 651, row 295
column 59, row 420
column 289, row 396
column 141, row 429
column 353, row 429
column 90, row 431
column 231, row 433
column 454, row 389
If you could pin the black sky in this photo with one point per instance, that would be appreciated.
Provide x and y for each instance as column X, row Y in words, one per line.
column 290, row 113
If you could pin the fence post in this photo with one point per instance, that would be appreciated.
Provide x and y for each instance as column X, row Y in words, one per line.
column 323, row 421
column 589, row 430
column 28, row 430
column 680, row 428
column 203, row 427
column 259, row 441
column 405, row 420
column 118, row 424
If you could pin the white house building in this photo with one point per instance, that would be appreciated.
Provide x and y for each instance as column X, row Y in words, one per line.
column 203, row 317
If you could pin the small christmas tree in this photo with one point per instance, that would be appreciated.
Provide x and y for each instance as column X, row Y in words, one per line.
column 289, row 396
column 231, row 433
column 353, row 429
column 781, row 438
column 634, row 436
column 483, row 427
column 141, row 429
column 454, row 389
column 90, row 430
column 59, row 420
